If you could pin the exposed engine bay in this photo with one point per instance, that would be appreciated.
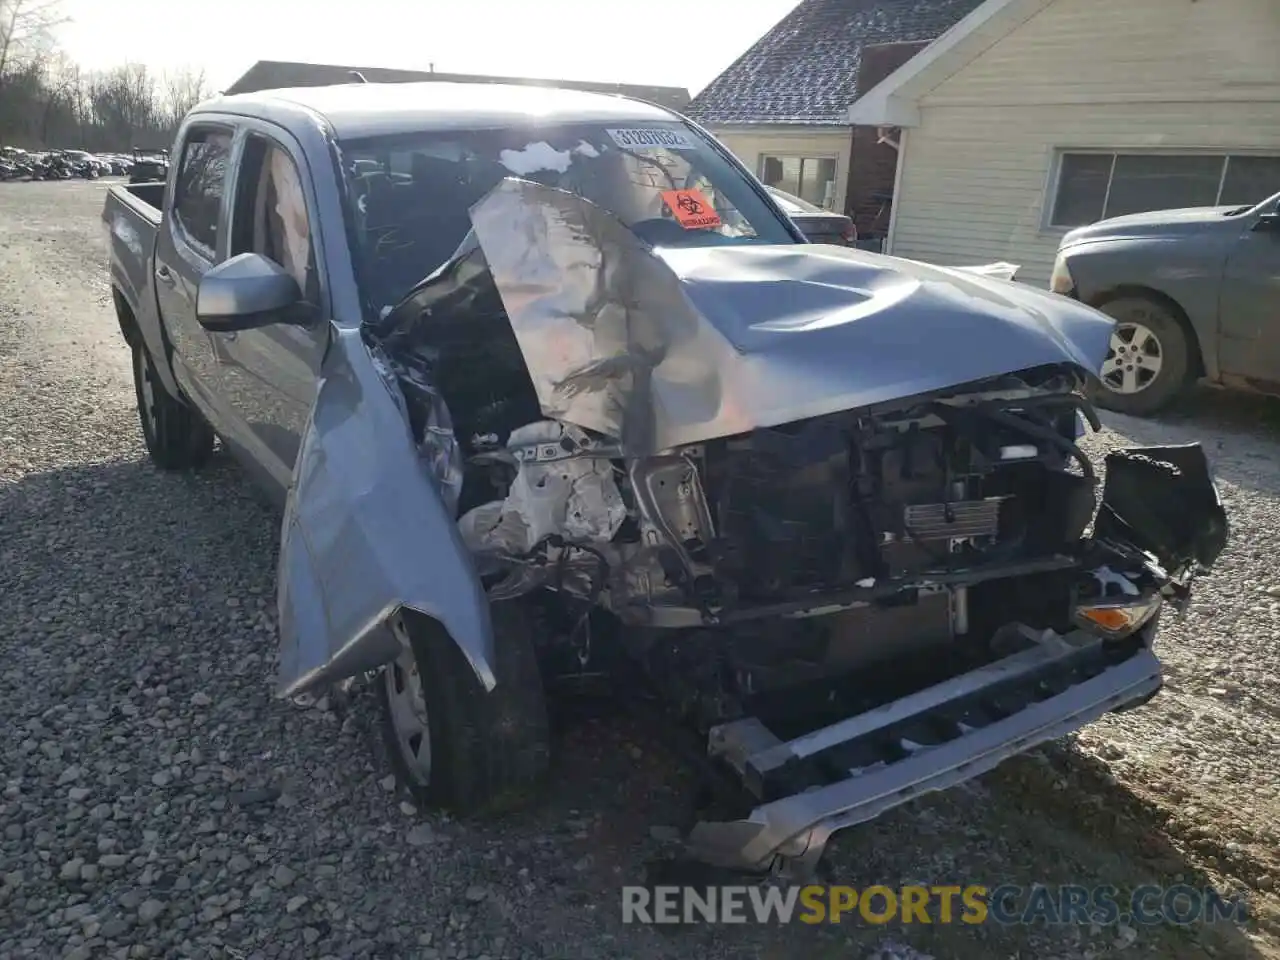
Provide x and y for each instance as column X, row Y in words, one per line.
column 723, row 531
column 793, row 554
column 746, row 565
column 935, row 571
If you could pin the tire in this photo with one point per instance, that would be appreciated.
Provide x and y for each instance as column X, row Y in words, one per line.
column 1149, row 363
column 176, row 436
column 455, row 746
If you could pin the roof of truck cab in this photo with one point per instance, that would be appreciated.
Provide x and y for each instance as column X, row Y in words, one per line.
column 356, row 110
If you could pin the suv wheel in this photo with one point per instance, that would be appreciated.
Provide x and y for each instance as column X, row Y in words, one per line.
column 1148, row 363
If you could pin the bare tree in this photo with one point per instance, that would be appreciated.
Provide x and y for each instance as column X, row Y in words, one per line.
column 48, row 100
column 180, row 91
column 124, row 103
column 26, row 32
column 62, row 90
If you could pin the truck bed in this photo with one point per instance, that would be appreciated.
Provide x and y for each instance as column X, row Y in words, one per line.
column 143, row 199
column 132, row 217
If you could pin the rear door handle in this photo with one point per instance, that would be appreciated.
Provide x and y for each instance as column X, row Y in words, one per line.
column 164, row 275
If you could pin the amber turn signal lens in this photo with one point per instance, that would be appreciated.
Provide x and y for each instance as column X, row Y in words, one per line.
column 1116, row 620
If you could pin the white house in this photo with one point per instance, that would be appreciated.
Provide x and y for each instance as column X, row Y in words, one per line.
column 1029, row 117
column 782, row 106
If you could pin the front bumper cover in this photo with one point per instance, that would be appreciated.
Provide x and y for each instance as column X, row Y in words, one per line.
column 1159, row 506
column 794, row 830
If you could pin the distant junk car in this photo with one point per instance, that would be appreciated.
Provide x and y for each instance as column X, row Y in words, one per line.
column 149, row 166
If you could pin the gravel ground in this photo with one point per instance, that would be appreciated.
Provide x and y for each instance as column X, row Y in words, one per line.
column 158, row 802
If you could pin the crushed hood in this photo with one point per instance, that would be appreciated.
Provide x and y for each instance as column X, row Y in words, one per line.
column 669, row 346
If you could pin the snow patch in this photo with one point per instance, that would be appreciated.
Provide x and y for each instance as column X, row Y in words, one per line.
column 536, row 157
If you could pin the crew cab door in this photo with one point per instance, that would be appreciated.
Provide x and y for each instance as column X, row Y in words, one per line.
column 189, row 243
column 268, row 375
column 1249, row 303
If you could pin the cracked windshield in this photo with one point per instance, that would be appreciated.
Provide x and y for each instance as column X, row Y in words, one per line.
column 412, row 194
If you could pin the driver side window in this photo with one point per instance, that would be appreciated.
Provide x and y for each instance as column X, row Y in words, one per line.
column 271, row 213
column 197, row 199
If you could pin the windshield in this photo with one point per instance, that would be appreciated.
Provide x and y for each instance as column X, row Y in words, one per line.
column 412, row 194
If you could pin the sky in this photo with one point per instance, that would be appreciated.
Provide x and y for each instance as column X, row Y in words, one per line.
column 683, row 43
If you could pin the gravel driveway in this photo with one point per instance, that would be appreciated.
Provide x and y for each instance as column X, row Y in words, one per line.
column 159, row 803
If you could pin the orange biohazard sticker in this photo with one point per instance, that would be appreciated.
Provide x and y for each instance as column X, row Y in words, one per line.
column 692, row 209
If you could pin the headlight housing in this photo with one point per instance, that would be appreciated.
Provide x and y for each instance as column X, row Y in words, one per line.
column 1060, row 280
column 1111, row 605
column 1117, row 619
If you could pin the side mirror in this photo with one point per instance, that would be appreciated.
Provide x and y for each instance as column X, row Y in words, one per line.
column 245, row 292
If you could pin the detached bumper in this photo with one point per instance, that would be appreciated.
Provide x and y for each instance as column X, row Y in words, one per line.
column 985, row 716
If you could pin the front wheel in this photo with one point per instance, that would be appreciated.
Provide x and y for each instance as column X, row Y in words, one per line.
column 1148, row 363
column 176, row 436
column 455, row 745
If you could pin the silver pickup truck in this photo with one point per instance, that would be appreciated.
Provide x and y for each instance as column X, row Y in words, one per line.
column 549, row 389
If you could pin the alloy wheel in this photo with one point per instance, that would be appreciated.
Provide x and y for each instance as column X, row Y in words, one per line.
column 145, row 376
column 1134, row 359
column 409, row 722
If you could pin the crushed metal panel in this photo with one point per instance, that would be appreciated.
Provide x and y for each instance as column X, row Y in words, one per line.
column 1164, row 501
column 800, row 825
column 367, row 532
column 593, row 311
column 659, row 347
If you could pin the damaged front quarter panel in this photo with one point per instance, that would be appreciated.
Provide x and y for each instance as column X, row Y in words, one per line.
column 1163, row 501
column 367, row 532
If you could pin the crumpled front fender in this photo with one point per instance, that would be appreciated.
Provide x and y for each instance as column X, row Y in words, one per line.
column 1163, row 500
column 366, row 532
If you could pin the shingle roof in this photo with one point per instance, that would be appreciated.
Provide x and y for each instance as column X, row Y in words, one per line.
column 275, row 74
column 805, row 69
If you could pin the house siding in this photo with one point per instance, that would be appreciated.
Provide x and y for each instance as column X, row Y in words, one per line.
column 748, row 144
column 1099, row 51
column 1146, row 74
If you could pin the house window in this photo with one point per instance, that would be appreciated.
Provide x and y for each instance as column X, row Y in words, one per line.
column 810, row 178
column 1095, row 185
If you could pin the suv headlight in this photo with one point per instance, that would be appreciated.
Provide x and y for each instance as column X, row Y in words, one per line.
column 1060, row 280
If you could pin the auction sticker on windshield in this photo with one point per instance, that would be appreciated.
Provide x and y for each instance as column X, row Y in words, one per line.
column 653, row 137
column 691, row 209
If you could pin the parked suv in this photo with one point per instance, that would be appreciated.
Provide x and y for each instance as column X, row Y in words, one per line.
column 1194, row 293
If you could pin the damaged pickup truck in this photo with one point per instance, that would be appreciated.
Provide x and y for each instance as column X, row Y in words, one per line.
column 548, row 386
